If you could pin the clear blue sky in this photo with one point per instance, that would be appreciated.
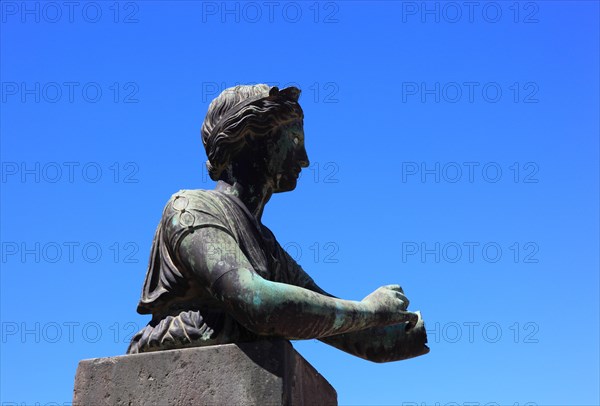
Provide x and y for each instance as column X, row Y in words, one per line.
column 453, row 147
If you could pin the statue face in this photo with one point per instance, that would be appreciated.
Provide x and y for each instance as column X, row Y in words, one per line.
column 287, row 156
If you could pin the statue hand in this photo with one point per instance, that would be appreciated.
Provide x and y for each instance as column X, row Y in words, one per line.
column 390, row 302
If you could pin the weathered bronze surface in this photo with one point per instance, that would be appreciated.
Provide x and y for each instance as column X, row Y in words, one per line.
column 217, row 275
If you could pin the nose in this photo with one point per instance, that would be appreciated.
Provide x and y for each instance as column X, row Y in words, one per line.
column 303, row 158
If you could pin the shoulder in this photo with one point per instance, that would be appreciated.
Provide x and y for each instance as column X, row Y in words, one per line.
column 194, row 208
column 195, row 199
column 191, row 196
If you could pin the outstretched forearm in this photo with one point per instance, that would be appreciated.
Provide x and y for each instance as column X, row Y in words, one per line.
column 382, row 343
column 277, row 309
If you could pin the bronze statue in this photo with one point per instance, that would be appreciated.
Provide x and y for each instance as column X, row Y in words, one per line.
column 217, row 275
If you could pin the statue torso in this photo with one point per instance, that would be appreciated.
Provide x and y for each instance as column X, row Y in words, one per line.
column 182, row 305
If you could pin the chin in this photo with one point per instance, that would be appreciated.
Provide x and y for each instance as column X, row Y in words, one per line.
column 286, row 185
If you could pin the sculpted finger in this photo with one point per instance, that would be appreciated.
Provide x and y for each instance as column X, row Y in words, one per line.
column 396, row 288
column 404, row 299
column 411, row 319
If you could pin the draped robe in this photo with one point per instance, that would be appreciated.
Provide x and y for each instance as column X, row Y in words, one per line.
column 185, row 312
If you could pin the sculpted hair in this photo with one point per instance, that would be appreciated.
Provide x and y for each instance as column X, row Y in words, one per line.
column 242, row 113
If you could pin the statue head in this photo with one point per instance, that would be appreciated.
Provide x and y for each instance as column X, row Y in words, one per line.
column 255, row 132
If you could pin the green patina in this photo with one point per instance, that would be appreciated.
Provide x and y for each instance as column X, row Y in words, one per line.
column 216, row 256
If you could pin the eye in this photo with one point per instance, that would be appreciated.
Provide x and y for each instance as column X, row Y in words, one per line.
column 296, row 140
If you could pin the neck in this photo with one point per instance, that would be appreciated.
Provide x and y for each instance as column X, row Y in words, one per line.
column 254, row 196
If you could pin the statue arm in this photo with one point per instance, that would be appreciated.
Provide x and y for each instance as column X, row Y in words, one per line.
column 277, row 309
column 378, row 344
column 381, row 343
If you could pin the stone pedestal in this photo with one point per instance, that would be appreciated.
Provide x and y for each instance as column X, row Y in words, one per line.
column 258, row 373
